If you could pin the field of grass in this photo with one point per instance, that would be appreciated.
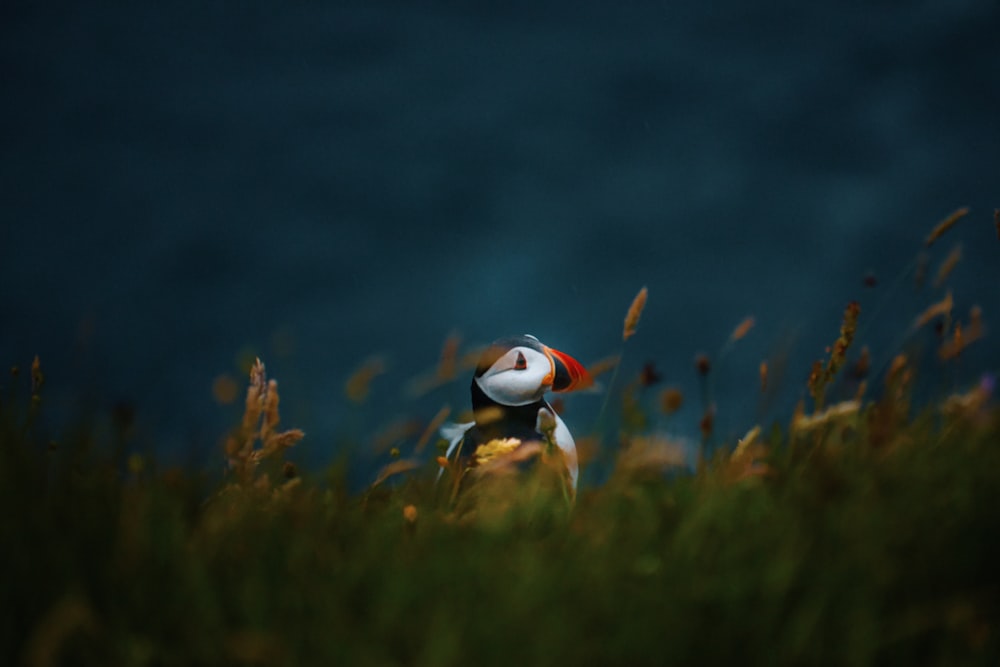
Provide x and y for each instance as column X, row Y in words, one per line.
column 864, row 535
column 861, row 532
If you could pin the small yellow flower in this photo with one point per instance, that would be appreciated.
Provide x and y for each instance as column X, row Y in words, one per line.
column 494, row 448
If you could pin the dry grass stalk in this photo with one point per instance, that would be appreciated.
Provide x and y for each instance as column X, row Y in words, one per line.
column 963, row 337
column 948, row 265
column 744, row 462
column 448, row 367
column 395, row 468
column 763, row 376
column 604, row 365
column 920, row 273
column 260, row 421
column 945, row 225
column 634, row 313
column 649, row 454
column 432, row 428
column 863, row 365
column 821, row 377
column 969, row 403
column 37, row 377
column 358, row 385
column 448, row 364
column 941, row 308
column 394, row 432
column 804, row 423
column 742, row 329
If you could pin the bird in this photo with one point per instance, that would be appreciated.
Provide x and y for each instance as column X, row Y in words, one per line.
column 509, row 407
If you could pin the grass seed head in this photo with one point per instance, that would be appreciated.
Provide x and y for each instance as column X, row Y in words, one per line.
column 948, row 265
column 743, row 328
column 358, row 385
column 940, row 308
column 945, row 225
column 634, row 313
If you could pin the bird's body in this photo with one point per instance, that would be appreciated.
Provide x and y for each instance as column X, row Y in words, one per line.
column 509, row 406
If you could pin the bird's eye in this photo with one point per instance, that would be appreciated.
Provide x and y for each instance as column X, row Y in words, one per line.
column 521, row 363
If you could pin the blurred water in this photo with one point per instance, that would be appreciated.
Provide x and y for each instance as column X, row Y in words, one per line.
column 319, row 182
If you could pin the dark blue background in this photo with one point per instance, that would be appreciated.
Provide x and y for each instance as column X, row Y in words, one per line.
column 316, row 182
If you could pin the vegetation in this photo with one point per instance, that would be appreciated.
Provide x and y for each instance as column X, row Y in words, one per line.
column 864, row 532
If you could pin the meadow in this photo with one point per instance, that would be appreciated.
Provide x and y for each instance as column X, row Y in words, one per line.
column 860, row 530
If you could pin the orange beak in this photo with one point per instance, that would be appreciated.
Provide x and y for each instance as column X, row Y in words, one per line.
column 568, row 374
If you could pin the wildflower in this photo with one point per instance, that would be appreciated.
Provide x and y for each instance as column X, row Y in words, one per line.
column 494, row 448
column 633, row 314
column 945, row 225
column 869, row 280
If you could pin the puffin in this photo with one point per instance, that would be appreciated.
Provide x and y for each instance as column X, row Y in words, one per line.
column 508, row 401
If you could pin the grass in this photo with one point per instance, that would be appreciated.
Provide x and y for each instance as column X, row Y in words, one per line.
column 866, row 532
column 853, row 542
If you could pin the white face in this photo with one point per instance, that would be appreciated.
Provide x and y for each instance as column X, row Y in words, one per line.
column 519, row 377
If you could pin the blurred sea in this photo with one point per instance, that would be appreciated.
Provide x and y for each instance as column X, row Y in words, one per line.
column 186, row 185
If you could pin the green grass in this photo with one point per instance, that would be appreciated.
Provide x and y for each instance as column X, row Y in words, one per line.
column 872, row 539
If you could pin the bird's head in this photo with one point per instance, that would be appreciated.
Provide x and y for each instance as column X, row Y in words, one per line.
column 518, row 370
